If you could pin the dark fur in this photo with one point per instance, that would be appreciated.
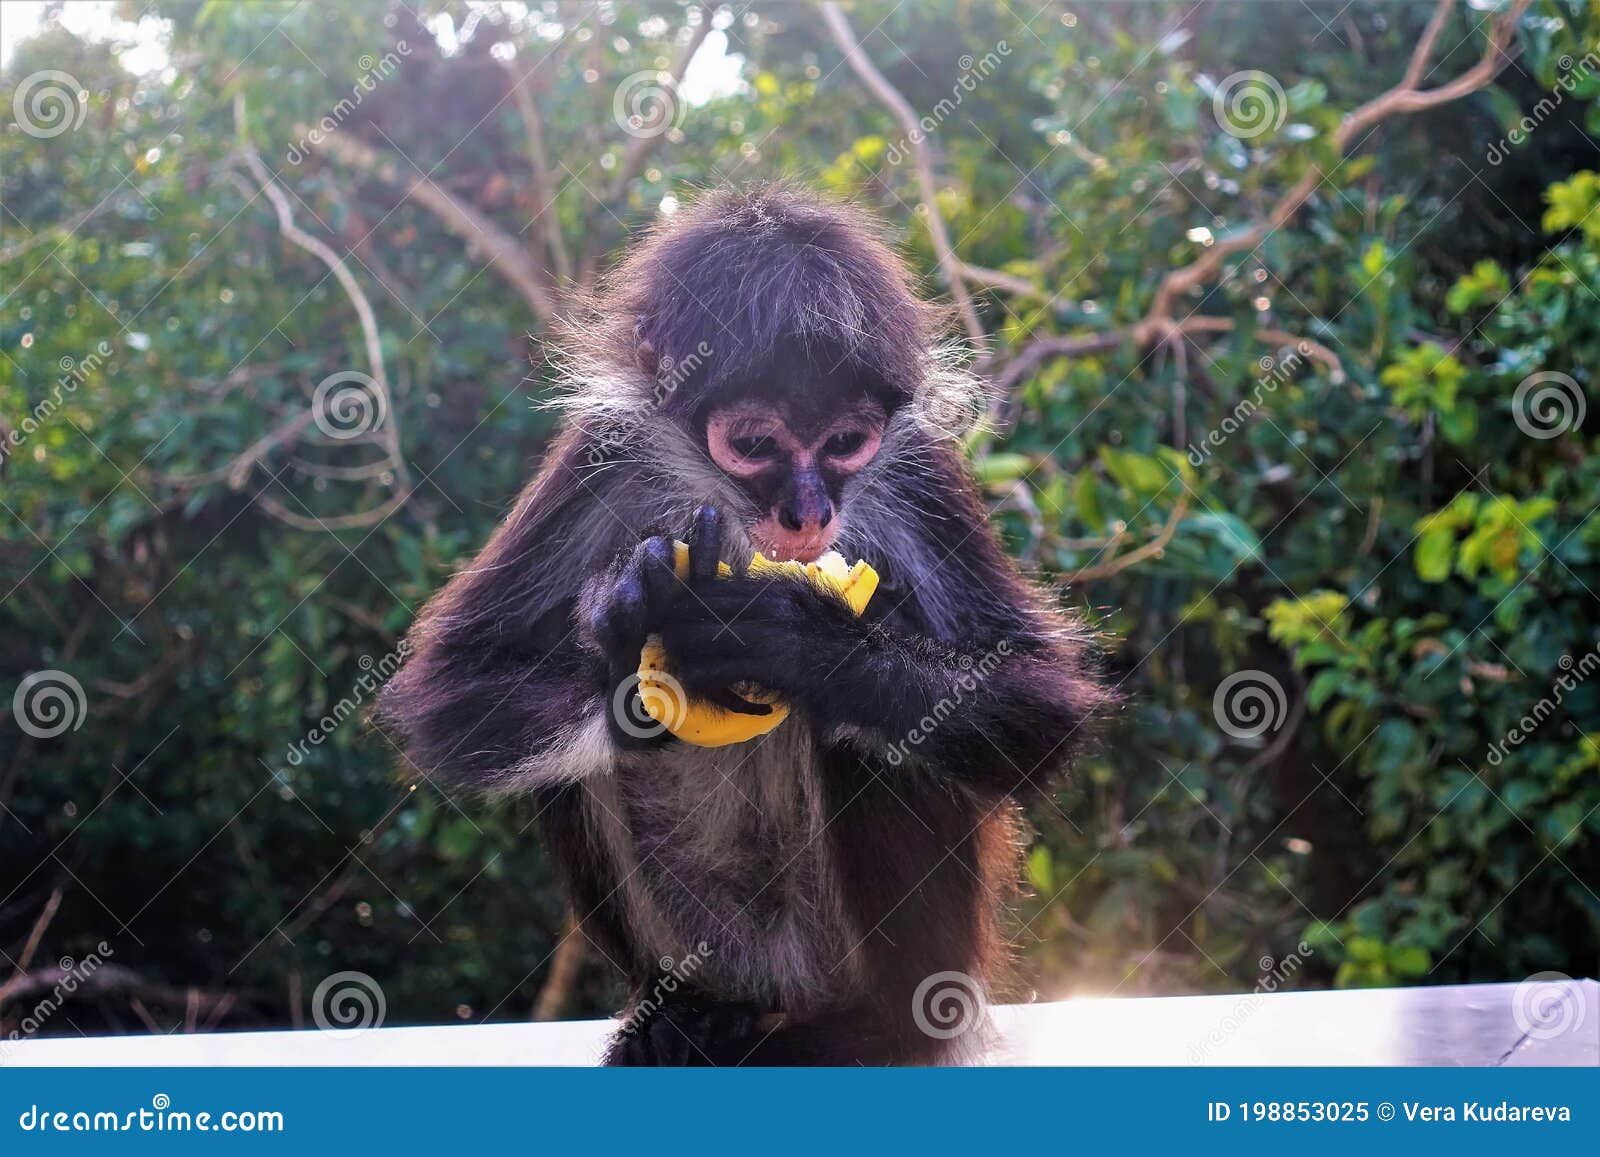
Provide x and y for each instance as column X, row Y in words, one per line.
column 830, row 866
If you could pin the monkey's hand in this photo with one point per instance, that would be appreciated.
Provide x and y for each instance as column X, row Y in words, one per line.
column 781, row 634
column 1004, row 713
column 621, row 607
column 616, row 611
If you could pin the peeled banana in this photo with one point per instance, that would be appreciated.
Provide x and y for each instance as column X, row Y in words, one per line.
column 706, row 724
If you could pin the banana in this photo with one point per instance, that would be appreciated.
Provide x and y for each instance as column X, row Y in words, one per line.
column 705, row 724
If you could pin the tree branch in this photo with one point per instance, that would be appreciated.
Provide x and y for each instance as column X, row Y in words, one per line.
column 557, row 991
column 544, row 191
column 1406, row 97
column 505, row 252
column 886, row 93
column 1120, row 563
column 28, row 949
column 116, row 980
column 388, row 433
column 640, row 147
column 1000, row 279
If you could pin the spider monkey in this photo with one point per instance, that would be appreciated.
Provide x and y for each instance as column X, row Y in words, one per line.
column 758, row 374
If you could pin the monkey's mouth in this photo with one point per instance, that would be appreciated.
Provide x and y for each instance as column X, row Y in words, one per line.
column 783, row 545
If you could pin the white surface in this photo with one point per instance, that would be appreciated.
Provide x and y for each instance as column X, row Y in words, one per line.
column 1466, row 1025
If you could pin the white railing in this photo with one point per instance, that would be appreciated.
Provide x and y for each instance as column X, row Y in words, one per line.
column 1489, row 1024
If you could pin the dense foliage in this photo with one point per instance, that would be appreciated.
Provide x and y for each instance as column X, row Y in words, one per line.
column 1359, row 500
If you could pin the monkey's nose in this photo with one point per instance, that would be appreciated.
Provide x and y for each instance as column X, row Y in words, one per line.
column 792, row 517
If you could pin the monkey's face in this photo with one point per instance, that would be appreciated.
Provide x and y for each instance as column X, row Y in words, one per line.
column 794, row 465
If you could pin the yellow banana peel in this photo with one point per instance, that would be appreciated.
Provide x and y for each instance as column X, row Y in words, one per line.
column 705, row 724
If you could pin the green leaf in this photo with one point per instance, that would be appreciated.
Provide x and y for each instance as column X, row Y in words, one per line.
column 993, row 468
column 1040, row 873
column 1435, row 555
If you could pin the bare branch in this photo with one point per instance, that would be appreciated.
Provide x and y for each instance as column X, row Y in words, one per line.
column 1159, row 322
column 544, row 190
column 843, row 35
column 1402, row 98
column 46, row 915
column 1041, row 349
column 505, row 252
column 1423, row 52
column 557, row 991
column 109, row 980
column 1120, row 563
column 1000, row 279
column 356, row 521
column 640, row 147
column 238, row 471
column 1281, row 337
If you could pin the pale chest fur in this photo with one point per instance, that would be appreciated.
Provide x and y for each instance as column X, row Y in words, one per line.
column 728, row 846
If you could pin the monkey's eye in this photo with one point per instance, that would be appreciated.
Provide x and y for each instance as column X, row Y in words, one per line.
column 755, row 447
column 844, row 443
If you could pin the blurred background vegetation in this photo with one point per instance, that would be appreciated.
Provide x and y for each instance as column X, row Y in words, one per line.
column 1386, row 532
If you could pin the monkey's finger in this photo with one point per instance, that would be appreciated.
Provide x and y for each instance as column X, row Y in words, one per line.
column 652, row 563
column 620, row 622
column 617, row 622
column 705, row 542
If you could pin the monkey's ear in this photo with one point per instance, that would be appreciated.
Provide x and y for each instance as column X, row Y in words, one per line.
column 644, row 352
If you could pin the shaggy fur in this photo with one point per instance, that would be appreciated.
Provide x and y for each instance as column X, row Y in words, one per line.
column 822, row 873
